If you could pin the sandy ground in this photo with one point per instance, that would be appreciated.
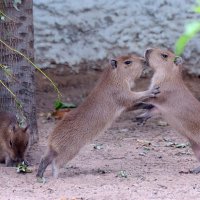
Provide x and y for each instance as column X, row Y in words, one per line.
column 128, row 162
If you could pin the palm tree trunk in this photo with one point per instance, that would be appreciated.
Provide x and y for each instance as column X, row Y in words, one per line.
column 19, row 35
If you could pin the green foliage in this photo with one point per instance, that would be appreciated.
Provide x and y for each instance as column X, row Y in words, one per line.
column 60, row 105
column 122, row 174
column 191, row 30
column 197, row 7
column 23, row 168
column 28, row 60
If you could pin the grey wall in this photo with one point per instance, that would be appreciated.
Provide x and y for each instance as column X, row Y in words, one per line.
column 76, row 31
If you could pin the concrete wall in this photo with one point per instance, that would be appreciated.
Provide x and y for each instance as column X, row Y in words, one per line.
column 76, row 31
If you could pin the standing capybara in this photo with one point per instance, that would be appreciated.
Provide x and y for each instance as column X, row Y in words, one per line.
column 111, row 96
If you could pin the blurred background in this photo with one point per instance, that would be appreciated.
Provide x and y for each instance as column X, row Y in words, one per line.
column 78, row 32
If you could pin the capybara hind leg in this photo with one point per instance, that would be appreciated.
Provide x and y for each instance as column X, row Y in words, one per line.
column 141, row 119
column 46, row 160
column 195, row 170
column 153, row 112
column 196, row 149
column 55, row 169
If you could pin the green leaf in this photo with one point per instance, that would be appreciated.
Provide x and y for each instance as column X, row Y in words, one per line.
column 191, row 30
column 23, row 168
column 18, row 104
column 68, row 105
column 197, row 9
column 60, row 105
column 180, row 44
column 57, row 104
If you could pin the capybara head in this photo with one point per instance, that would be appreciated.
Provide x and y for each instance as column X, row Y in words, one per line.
column 16, row 142
column 129, row 67
column 160, row 59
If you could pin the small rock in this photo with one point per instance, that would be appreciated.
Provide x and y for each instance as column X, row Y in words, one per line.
column 144, row 142
column 142, row 153
column 123, row 174
column 162, row 123
column 181, row 145
column 98, row 146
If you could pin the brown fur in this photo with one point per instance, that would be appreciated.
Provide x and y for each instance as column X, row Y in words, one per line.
column 111, row 96
column 175, row 103
column 13, row 140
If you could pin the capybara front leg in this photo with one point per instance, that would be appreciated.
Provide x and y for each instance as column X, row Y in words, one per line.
column 55, row 169
column 9, row 162
column 196, row 149
column 45, row 161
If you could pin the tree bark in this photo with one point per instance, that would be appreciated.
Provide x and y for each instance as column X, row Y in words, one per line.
column 19, row 35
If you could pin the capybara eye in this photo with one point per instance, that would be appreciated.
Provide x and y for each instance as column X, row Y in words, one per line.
column 11, row 144
column 128, row 62
column 164, row 56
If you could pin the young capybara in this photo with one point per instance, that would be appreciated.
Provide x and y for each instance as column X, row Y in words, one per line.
column 175, row 103
column 111, row 96
column 13, row 140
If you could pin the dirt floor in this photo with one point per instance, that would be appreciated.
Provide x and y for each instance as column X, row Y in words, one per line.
column 128, row 162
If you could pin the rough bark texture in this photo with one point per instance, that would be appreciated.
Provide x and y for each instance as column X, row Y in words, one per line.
column 19, row 35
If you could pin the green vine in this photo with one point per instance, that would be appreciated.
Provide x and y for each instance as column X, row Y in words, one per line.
column 26, row 58
column 8, row 72
column 191, row 30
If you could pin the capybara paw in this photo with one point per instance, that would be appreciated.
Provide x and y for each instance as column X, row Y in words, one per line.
column 195, row 171
column 154, row 91
column 141, row 120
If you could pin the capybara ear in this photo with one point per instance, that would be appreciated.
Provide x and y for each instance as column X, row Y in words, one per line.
column 113, row 64
column 178, row 60
column 26, row 128
column 12, row 128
